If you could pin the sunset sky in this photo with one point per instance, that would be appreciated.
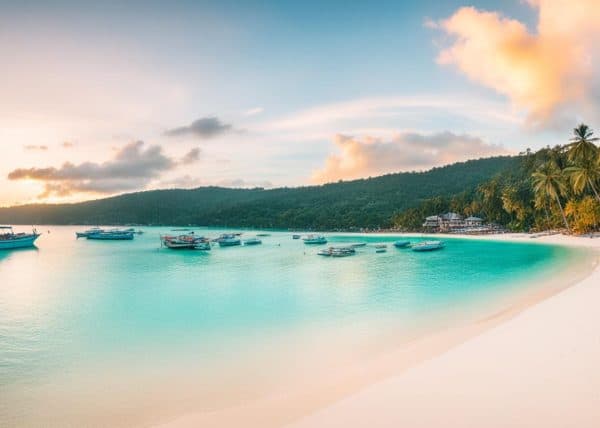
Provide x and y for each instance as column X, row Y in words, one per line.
column 99, row 98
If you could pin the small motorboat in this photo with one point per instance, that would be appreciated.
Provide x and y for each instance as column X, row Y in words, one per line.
column 252, row 241
column 85, row 233
column 262, row 235
column 229, row 240
column 9, row 239
column 111, row 235
column 401, row 243
column 185, row 242
column 428, row 246
column 380, row 248
column 358, row 244
column 315, row 240
column 337, row 252
column 295, row 236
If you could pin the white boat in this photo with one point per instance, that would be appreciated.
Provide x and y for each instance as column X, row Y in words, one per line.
column 337, row 252
column 229, row 240
column 315, row 240
column 380, row 248
column 185, row 242
column 401, row 243
column 9, row 239
column 252, row 241
column 428, row 246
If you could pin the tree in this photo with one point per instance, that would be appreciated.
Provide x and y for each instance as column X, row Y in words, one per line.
column 585, row 174
column 549, row 183
column 581, row 147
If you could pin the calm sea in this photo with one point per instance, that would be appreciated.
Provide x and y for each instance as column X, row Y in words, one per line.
column 84, row 321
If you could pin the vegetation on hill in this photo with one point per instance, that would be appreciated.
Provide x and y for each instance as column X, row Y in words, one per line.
column 351, row 205
column 552, row 188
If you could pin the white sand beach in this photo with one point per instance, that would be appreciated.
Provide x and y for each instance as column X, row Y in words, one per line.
column 537, row 369
column 534, row 364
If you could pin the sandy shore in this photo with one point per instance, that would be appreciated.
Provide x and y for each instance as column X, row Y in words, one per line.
column 481, row 374
column 539, row 368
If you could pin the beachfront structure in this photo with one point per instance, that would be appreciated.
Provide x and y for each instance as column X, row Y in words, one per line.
column 455, row 223
column 473, row 222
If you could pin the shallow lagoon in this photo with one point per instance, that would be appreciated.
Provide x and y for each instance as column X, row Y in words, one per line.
column 80, row 316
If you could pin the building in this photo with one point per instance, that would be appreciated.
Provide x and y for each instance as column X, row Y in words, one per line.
column 452, row 222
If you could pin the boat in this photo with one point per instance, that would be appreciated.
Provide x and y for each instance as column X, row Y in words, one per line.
column 358, row 244
column 185, row 242
column 9, row 239
column 85, row 233
column 111, row 235
column 342, row 251
column 315, row 240
column 380, row 248
column 252, row 241
column 428, row 246
column 337, row 252
column 229, row 240
column 295, row 236
column 401, row 243
column 263, row 234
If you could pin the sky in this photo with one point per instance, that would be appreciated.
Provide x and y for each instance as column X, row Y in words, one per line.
column 101, row 98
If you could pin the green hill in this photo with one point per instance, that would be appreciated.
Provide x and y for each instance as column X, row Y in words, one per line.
column 348, row 205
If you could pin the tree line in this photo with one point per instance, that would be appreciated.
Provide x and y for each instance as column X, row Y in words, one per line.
column 555, row 187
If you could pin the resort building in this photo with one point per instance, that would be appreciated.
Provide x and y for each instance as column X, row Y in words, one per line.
column 455, row 223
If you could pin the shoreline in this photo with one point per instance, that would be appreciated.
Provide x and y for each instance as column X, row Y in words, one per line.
column 537, row 367
column 307, row 408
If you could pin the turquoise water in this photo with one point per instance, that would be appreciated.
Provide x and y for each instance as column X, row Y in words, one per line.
column 71, row 305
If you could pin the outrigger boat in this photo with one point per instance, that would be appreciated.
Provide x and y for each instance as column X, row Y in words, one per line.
column 315, row 240
column 185, row 242
column 9, row 239
column 380, row 248
column 428, row 246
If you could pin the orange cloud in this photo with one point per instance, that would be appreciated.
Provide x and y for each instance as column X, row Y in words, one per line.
column 409, row 151
column 550, row 73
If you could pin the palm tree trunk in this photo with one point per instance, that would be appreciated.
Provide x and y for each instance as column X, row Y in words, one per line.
column 594, row 189
column 547, row 216
column 563, row 215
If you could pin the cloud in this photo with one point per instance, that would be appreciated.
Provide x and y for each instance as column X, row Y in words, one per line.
column 204, row 128
column 191, row 157
column 551, row 73
column 132, row 168
column 254, row 111
column 408, row 151
column 34, row 147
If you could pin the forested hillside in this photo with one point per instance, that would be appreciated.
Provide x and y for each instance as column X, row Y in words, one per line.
column 367, row 203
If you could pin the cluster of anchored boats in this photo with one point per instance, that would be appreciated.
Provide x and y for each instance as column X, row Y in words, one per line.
column 350, row 250
column 9, row 239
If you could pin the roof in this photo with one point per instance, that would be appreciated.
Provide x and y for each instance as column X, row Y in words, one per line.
column 473, row 218
column 451, row 216
column 432, row 217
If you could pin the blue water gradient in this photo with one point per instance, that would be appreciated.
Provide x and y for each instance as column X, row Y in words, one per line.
column 73, row 303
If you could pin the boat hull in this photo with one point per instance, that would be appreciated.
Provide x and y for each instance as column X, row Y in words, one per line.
column 20, row 242
column 231, row 243
column 111, row 236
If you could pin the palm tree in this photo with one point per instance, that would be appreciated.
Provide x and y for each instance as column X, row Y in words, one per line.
column 585, row 174
column 581, row 147
column 549, row 182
